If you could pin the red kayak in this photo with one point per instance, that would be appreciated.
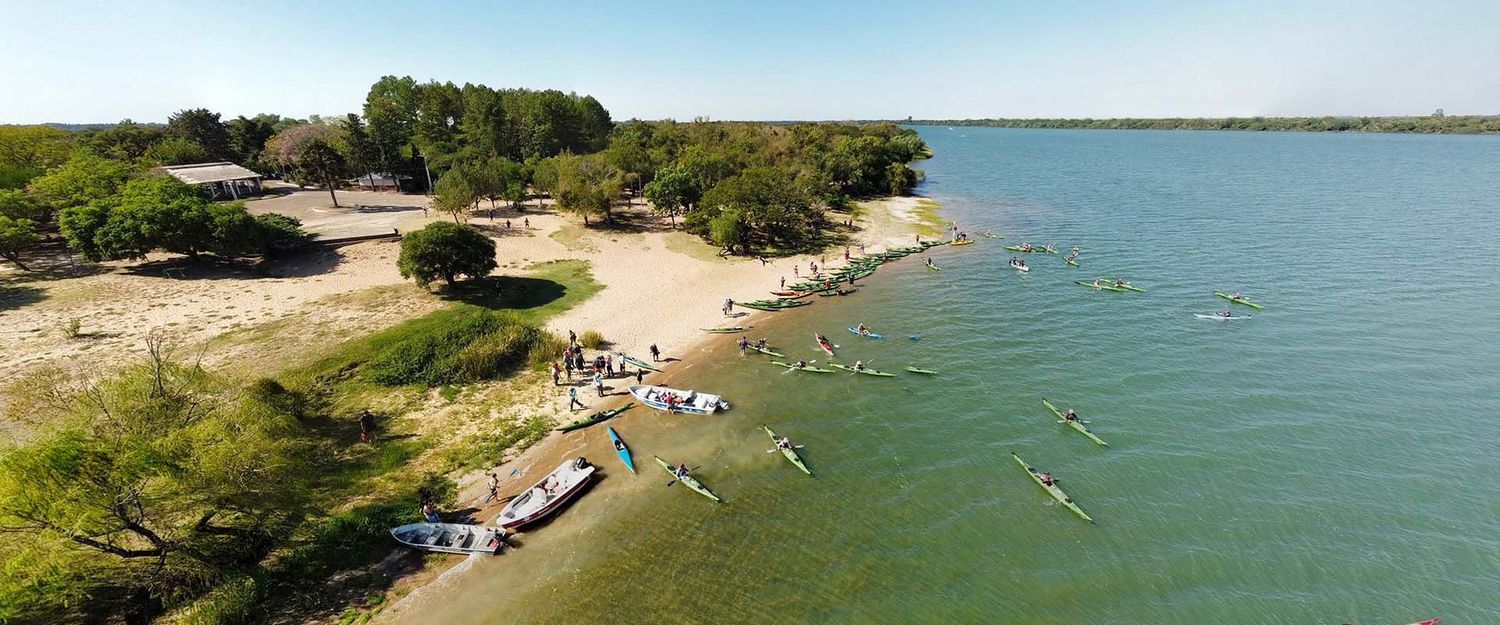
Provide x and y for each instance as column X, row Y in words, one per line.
column 1431, row 621
column 823, row 343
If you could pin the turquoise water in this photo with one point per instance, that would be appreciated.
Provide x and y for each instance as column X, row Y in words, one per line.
column 1332, row 460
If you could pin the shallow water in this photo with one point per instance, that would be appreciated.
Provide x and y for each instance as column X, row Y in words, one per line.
column 1331, row 460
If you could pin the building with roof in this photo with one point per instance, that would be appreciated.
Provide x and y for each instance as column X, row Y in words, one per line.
column 220, row 180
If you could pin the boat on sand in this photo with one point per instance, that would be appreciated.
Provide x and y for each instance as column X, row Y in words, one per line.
column 547, row 495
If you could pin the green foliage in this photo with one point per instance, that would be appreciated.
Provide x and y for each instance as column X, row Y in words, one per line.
column 457, row 191
column 233, row 601
column 18, row 204
column 279, row 233
column 248, row 136
column 475, row 345
column 444, row 250
column 591, row 339
column 126, row 141
column 73, row 328
column 487, row 448
column 1430, row 124
column 17, row 236
column 82, row 179
column 27, row 151
column 672, row 191
column 175, row 151
column 584, row 185
column 203, row 128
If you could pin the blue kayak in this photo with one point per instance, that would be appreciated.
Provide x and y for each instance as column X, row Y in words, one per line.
column 621, row 449
column 868, row 335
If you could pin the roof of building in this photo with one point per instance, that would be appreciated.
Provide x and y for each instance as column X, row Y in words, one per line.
column 204, row 173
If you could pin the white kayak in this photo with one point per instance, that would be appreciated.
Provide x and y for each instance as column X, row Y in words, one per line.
column 1223, row 318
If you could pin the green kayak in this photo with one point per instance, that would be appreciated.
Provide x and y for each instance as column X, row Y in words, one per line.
column 1071, row 262
column 688, row 481
column 921, row 371
column 1052, row 489
column 1077, row 425
column 1101, row 287
column 726, row 330
column 768, row 351
column 866, row 370
column 791, row 454
column 808, row 368
column 1241, row 300
column 1127, row 286
column 597, row 417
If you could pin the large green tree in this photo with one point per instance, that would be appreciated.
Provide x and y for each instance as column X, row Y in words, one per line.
column 673, row 191
column 17, row 236
column 203, row 127
column 83, row 179
column 18, row 204
column 447, row 251
column 27, row 151
column 162, row 213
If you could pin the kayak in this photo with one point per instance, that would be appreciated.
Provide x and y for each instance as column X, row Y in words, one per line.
column 726, row 330
column 1241, row 300
column 791, row 454
column 1053, row 490
column 688, row 481
column 1101, row 287
column 621, row 449
column 836, row 293
column 934, row 267
column 1033, row 250
column 1045, row 250
column 808, row 368
column 922, row 371
column 867, row 334
column 866, row 370
column 1071, row 262
column 991, row 235
column 1021, row 268
column 1431, row 621
column 592, row 419
column 768, row 351
column 637, row 362
column 964, row 242
column 1074, row 424
column 1127, row 286
column 1223, row 318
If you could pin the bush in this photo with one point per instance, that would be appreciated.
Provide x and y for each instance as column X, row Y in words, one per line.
column 446, row 251
column 473, row 345
column 73, row 328
column 233, row 601
column 591, row 339
column 279, row 233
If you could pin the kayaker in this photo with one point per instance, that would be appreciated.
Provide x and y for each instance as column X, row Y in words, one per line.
column 929, row 262
column 1236, row 296
column 859, row 365
column 1096, row 283
column 681, row 471
column 801, row 364
column 760, row 344
column 1047, row 479
column 619, row 445
column 862, row 329
column 1224, row 313
column 1071, row 416
column 784, row 443
column 1119, row 282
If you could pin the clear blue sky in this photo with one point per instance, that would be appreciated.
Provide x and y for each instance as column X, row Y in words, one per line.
column 105, row 60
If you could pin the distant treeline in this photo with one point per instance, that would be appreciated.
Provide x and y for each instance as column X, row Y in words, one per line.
column 1431, row 124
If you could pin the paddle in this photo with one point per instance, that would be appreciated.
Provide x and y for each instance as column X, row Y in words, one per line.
column 1080, row 421
column 674, row 480
column 772, row 451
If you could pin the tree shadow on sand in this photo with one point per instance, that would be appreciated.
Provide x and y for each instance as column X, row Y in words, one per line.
column 309, row 262
column 19, row 296
column 506, row 292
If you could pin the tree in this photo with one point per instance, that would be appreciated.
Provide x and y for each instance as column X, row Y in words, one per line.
column 313, row 153
column 444, row 250
column 155, row 479
column 456, row 192
column 161, row 213
column 83, row 179
column 279, row 233
column 204, row 128
column 27, row 151
column 248, row 136
column 175, row 151
column 18, row 204
column 364, row 155
column 321, row 161
column 125, row 141
column 672, row 192
column 17, row 236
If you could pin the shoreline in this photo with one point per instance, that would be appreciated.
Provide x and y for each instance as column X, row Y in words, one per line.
column 884, row 223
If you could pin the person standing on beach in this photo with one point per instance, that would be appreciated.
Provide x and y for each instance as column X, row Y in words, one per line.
column 599, row 383
column 797, row 270
column 494, row 489
column 655, row 354
column 573, row 398
column 556, row 373
column 578, row 361
column 526, row 222
column 861, row 248
column 783, row 283
column 728, row 306
column 639, row 374
column 572, row 338
column 846, row 253
column 609, row 364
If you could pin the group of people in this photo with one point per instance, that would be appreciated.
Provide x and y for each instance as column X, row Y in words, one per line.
column 744, row 344
column 1018, row 263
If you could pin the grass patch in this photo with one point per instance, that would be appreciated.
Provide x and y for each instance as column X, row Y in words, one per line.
column 573, row 237
column 591, row 339
column 487, row 448
column 929, row 222
column 691, row 246
column 549, row 289
column 449, row 393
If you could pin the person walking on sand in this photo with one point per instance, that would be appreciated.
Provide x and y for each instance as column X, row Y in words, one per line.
column 573, row 398
column 507, row 224
column 783, row 283
column 556, row 373
column 568, row 364
column 599, row 383
column 655, row 353
column 494, row 489
column 639, row 374
column 526, row 222
column 797, row 270
column 744, row 344
column 572, row 338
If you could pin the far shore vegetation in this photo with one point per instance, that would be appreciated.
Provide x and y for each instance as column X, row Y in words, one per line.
column 1436, row 123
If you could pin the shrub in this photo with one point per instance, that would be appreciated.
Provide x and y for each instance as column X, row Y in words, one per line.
column 73, row 328
column 233, row 601
column 474, row 345
column 446, row 251
column 591, row 339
